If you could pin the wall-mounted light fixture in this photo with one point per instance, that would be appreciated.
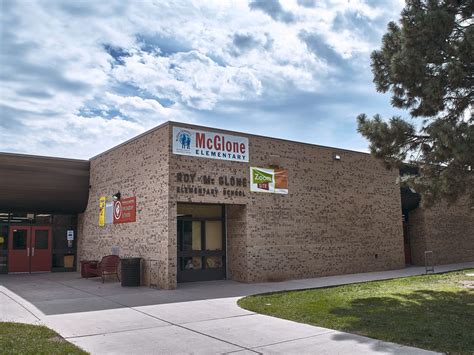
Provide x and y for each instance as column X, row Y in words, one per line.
column 117, row 196
column 336, row 156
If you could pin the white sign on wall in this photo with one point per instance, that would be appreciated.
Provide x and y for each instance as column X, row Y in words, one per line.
column 109, row 212
column 210, row 145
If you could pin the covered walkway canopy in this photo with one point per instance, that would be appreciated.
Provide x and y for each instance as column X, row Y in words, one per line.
column 37, row 184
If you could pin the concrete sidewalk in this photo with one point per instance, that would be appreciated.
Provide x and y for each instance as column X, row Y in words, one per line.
column 196, row 318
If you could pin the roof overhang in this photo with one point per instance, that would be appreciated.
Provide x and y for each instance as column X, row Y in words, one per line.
column 43, row 184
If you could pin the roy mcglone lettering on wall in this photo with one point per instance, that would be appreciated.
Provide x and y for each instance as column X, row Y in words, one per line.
column 210, row 145
column 192, row 183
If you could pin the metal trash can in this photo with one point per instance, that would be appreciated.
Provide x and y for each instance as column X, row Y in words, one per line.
column 131, row 272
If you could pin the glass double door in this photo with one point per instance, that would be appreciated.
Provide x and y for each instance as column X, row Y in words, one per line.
column 29, row 249
column 201, row 249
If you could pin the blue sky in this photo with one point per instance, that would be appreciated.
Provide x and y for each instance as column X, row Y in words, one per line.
column 77, row 78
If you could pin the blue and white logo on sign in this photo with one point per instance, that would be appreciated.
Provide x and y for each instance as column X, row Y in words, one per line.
column 211, row 145
column 184, row 140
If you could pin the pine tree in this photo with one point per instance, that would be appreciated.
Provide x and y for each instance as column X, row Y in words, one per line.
column 426, row 63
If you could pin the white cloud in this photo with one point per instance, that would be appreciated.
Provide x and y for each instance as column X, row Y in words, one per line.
column 191, row 78
column 77, row 73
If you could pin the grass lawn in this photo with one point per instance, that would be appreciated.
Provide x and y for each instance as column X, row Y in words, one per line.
column 434, row 312
column 18, row 338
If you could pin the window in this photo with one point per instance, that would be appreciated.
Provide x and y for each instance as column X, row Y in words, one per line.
column 41, row 239
column 199, row 211
column 213, row 235
column 19, row 239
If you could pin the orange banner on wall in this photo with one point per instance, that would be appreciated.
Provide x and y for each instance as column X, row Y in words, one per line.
column 281, row 181
column 125, row 210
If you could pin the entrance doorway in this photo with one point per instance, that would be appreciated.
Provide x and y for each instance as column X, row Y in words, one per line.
column 201, row 242
column 29, row 249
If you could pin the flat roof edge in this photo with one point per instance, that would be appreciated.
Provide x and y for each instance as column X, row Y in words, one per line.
column 21, row 155
column 184, row 124
column 180, row 124
column 164, row 124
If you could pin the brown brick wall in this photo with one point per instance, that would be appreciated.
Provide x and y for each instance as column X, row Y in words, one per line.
column 138, row 168
column 339, row 216
column 237, row 242
column 446, row 230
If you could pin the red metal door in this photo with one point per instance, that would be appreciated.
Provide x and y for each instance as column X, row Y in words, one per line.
column 19, row 249
column 41, row 248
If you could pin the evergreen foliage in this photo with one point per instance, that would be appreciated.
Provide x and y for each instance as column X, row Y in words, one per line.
column 426, row 63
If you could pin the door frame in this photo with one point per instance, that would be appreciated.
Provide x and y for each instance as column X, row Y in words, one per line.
column 30, row 249
column 49, row 250
column 12, row 253
column 203, row 274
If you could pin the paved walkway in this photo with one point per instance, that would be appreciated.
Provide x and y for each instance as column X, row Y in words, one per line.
column 196, row 318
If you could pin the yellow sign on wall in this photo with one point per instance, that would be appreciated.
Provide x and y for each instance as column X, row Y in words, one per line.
column 102, row 211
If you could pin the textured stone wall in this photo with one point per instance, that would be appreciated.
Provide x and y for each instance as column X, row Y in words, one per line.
column 339, row 216
column 138, row 168
column 446, row 230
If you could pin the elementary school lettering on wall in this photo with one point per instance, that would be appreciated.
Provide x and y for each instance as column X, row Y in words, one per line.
column 192, row 183
column 210, row 145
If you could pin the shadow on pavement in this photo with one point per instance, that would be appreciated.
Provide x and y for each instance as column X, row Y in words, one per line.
column 60, row 293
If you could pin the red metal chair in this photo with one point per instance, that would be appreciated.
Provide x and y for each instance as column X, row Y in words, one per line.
column 107, row 266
